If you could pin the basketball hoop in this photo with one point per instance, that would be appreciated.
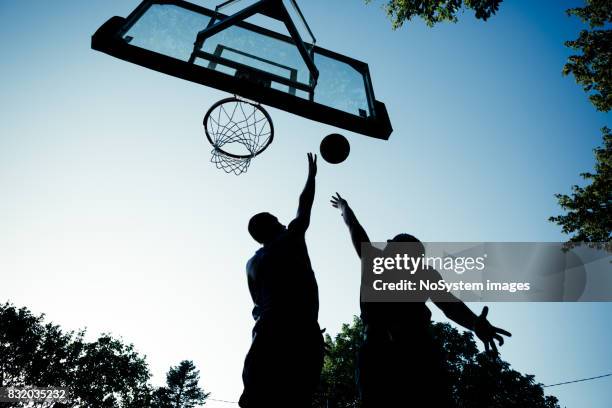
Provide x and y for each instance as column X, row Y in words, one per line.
column 238, row 130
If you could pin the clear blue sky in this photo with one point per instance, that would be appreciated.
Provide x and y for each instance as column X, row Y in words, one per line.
column 113, row 219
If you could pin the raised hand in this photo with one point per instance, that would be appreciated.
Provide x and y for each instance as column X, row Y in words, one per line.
column 487, row 333
column 339, row 202
column 312, row 165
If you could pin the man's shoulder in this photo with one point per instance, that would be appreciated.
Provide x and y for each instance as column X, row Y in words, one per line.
column 295, row 229
column 254, row 260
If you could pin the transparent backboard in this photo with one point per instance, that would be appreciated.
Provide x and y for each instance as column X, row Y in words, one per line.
column 243, row 50
column 171, row 30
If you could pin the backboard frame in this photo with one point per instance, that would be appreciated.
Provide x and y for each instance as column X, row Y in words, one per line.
column 272, row 8
column 109, row 39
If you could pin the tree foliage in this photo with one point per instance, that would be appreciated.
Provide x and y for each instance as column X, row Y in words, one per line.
column 589, row 216
column 182, row 389
column 589, row 209
column 338, row 384
column 436, row 11
column 592, row 68
column 479, row 380
column 105, row 373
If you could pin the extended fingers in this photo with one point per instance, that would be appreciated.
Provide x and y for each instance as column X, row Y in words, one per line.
column 335, row 202
column 502, row 331
column 311, row 160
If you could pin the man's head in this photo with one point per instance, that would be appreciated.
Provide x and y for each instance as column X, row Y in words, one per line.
column 415, row 250
column 264, row 227
column 404, row 238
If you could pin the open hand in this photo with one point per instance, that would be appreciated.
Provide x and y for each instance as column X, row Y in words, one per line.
column 339, row 202
column 487, row 333
column 312, row 165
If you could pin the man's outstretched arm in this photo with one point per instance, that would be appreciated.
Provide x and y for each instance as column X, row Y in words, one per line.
column 457, row 311
column 302, row 219
column 358, row 234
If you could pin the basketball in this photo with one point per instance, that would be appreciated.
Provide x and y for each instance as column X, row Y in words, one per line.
column 335, row 148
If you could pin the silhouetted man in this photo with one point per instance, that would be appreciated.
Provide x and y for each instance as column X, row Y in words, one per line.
column 398, row 363
column 283, row 366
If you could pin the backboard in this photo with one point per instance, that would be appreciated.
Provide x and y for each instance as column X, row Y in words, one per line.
column 207, row 47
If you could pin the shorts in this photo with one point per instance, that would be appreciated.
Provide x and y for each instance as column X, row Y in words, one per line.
column 398, row 374
column 283, row 367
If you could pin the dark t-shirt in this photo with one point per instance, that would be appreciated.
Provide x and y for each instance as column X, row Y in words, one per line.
column 397, row 316
column 281, row 279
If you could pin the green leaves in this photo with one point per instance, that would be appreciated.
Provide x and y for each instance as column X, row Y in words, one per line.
column 592, row 68
column 181, row 390
column 105, row 373
column 436, row 11
column 338, row 374
column 110, row 373
column 589, row 209
column 596, row 13
column 589, row 216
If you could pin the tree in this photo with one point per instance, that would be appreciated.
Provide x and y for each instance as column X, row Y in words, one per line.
column 182, row 390
column 105, row 373
column 589, row 216
column 593, row 67
column 479, row 380
column 589, row 209
column 109, row 373
column 338, row 386
column 435, row 11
